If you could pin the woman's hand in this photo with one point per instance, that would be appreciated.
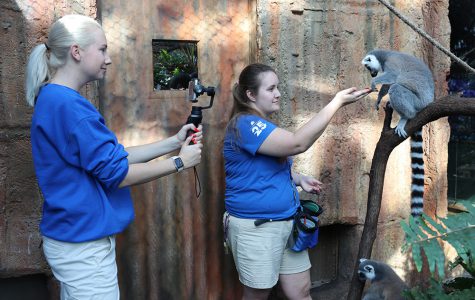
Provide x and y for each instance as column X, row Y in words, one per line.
column 191, row 154
column 196, row 136
column 310, row 184
column 351, row 95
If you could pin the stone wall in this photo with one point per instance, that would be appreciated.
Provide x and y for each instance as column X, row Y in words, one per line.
column 175, row 245
column 24, row 25
column 316, row 48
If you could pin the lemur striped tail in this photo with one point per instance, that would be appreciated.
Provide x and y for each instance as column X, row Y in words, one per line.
column 417, row 165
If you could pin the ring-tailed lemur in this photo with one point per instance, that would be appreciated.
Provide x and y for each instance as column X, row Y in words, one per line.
column 385, row 283
column 410, row 85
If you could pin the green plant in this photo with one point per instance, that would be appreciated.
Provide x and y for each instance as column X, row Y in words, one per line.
column 437, row 291
column 169, row 63
column 426, row 235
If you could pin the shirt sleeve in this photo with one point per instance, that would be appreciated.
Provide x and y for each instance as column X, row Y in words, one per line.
column 253, row 131
column 93, row 147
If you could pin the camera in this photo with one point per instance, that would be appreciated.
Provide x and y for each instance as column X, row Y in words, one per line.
column 195, row 89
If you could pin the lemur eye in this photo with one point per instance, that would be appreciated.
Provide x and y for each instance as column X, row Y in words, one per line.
column 368, row 268
column 368, row 59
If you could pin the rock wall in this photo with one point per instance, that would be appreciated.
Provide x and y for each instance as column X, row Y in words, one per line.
column 175, row 245
column 174, row 249
column 24, row 25
column 316, row 48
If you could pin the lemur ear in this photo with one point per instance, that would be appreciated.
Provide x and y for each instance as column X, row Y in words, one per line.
column 250, row 96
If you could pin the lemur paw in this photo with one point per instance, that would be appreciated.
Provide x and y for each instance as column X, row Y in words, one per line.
column 373, row 87
column 400, row 132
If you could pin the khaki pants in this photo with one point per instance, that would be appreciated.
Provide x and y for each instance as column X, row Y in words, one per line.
column 260, row 252
column 85, row 270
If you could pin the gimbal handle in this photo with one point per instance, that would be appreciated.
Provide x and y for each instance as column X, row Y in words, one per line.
column 195, row 117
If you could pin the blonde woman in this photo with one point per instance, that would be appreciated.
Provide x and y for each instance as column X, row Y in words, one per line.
column 82, row 170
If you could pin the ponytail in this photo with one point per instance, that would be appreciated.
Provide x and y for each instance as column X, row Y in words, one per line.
column 249, row 80
column 37, row 73
column 45, row 59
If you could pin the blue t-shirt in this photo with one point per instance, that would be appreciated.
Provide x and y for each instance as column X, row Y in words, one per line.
column 257, row 186
column 79, row 165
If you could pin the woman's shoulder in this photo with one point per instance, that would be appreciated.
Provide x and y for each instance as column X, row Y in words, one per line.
column 64, row 100
column 253, row 128
column 57, row 91
column 251, row 119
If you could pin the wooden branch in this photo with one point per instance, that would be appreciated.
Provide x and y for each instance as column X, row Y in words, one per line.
column 446, row 106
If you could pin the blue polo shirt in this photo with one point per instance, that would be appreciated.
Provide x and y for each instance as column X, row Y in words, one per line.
column 257, row 186
column 79, row 165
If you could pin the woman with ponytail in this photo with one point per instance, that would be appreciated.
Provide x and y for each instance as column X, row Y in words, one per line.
column 83, row 172
column 261, row 196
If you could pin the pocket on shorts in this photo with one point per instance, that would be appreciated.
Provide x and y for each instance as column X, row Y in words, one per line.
column 102, row 249
column 53, row 249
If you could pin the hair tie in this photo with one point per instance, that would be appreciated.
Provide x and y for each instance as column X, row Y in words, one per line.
column 47, row 48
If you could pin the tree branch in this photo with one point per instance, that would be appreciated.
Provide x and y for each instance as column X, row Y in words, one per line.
column 446, row 106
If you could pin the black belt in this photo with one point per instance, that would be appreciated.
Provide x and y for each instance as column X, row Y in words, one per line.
column 262, row 221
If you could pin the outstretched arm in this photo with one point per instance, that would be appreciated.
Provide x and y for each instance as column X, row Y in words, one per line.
column 382, row 92
column 281, row 143
column 144, row 153
column 144, row 172
column 385, row 78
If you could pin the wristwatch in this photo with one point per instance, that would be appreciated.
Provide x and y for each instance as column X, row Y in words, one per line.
column 178, row 163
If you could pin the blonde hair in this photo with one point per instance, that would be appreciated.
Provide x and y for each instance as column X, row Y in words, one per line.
column 68, row 30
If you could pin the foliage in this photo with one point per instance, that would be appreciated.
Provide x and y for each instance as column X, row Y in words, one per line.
column 437, row 291
column 426, row 235
column 169, row 63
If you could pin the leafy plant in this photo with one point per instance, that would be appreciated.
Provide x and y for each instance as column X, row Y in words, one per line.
column 426, row 235
column 437, row 291
column 170, row 63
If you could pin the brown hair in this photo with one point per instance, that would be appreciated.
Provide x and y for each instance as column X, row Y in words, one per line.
column 249, row 80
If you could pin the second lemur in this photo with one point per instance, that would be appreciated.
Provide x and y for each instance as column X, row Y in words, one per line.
column 385, row 283
column 410, row 86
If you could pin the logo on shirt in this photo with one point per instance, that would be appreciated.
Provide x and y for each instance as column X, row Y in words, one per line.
column 258, row 127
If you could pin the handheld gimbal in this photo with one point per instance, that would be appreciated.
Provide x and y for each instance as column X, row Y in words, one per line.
column 195, row 89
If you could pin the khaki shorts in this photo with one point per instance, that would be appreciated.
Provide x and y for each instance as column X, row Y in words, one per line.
column 260, row 252
column 85, row 270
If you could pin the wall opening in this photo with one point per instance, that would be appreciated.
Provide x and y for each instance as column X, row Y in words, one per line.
column 25, row 287
column 461, row 163
column 175, row 62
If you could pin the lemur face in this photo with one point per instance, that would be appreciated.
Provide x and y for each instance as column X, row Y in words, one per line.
column 372, row 64
column 366, row 271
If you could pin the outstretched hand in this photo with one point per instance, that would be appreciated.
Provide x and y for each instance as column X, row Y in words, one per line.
column 310, row 184
column 352, row 95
